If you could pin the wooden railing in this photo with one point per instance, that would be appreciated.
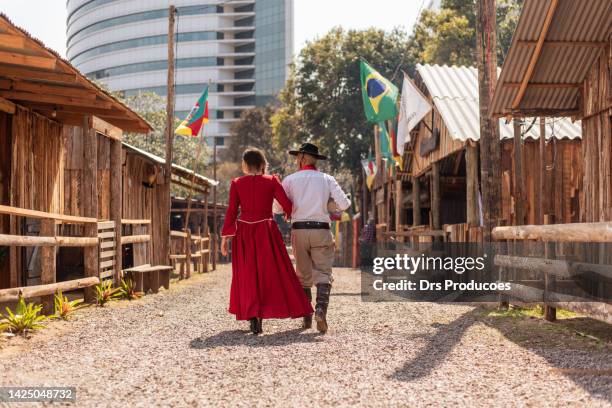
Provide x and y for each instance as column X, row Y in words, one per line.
column 546, row 265
column 49, row 241
column 188, row 250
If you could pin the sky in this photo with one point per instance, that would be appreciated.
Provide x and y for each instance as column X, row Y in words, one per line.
column 46, row 19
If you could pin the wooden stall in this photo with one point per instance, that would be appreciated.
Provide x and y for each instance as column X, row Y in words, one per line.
column 442, row 162
column 537, row 79
column 59, row 135
column 143, row 190
column 559, row 64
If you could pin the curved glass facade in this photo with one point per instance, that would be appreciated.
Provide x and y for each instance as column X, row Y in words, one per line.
column 149, row 66
column 143, row 42
column 137, row 17
column 242, row 48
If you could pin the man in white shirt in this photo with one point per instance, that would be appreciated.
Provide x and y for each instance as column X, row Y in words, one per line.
column 313, row 243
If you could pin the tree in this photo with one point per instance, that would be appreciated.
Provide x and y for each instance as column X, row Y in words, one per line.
column 448, row 36
column 322, row 101
column 252, row 130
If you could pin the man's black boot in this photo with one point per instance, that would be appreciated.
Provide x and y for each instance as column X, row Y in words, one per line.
column 307, row 320
column 323, row 291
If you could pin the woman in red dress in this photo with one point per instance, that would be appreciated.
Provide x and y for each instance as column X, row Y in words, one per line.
column 264, row 283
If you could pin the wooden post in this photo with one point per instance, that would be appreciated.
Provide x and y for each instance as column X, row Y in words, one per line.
column 541, row 193
column 471, row 177
column 90, row 199
column 519, row 185
column 198, row 259
column 398, row 208
column 206, row 233
column 47, row 262
column 490, row 152
column 188, row 253
column 213, row 242
column 550, row 313
column 416, row 202
column 167, row 203
column 116, row 201
column 435, row 196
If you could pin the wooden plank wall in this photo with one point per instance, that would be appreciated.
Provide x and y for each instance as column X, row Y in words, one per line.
column 37, row 173
column 5, row 199
column 447, row 145
column 597, row 141
column 140, row 202
column 73, row 173
column 563, row 180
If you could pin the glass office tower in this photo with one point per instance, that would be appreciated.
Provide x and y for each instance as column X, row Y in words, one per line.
column 242, row 47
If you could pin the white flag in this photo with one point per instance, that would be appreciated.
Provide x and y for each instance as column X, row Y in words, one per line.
column 413, row 108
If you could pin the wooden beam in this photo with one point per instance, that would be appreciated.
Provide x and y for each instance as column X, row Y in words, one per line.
column 135, row 239
column 435, row 196
column 42, row 88
column 577, row 232
column 46, row 241
column 12, row 295
column 12, row 41
column 541, row 195
column 107, row 113
column 106, row 129
column 31, row 61
column 67, row 219
column 519, row 190
column 11, row 71
column 416, row 202
column 53, row 99
column 533, row 112
column 90, row 198
column 185, row 185
column 7, row 106
column 558, row 267
column 536, row 54
column 471, row 185
column 116, row 196
column 47, row 262
column 135, row 222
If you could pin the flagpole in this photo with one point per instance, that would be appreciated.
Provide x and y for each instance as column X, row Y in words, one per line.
column 169, row 129
column 214, row 238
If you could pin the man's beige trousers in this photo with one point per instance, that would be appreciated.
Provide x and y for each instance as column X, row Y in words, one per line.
column 313, row 250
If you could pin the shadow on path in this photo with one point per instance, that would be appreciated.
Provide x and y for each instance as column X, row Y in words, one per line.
column 436, row 350
column 232, row 338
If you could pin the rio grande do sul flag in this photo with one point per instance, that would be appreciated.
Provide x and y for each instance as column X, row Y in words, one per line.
column 379, row 95
column 196, row 119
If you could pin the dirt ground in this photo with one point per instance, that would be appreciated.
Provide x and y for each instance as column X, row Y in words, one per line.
column 181, row 348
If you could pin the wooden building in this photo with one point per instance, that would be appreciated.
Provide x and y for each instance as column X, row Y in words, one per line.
column 559, row 64
column 143, row 191
column 442, row 164
column 60, row 163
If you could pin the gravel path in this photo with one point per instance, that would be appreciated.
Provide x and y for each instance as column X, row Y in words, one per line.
column 181, row 348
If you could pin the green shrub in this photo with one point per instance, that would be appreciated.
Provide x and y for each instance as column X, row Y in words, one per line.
column 106, row 293
column 26, row 318
column 64, row 307
column 128, row 291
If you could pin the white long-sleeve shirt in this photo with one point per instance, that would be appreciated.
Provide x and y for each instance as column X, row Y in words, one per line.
column 309, row 191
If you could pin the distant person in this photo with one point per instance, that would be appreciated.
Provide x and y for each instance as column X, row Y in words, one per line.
column 311, row 238
column 264, row 283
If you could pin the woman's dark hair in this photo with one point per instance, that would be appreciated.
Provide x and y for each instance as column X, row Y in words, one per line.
column 255, row 159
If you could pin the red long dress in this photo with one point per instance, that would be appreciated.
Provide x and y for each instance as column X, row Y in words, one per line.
column 264, row 283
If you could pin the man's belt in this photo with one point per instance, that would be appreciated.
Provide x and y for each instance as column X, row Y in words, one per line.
column 310, row 225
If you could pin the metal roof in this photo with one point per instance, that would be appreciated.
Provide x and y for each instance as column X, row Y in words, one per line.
column 179, row 170
column 38, row 77
column 454, row 91
column 577, row 34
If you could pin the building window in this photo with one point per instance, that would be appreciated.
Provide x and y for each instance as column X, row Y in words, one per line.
column 152, row 66
column 143, row 42
column 219, row 141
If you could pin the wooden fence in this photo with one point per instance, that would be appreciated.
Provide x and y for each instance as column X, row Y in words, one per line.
column 49, row 241
column 557, row 262
column 189, row 250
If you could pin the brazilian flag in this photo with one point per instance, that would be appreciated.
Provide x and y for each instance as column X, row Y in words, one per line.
column 379, row 95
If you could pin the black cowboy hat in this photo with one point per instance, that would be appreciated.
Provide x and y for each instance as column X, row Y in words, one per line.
column 308, row 148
